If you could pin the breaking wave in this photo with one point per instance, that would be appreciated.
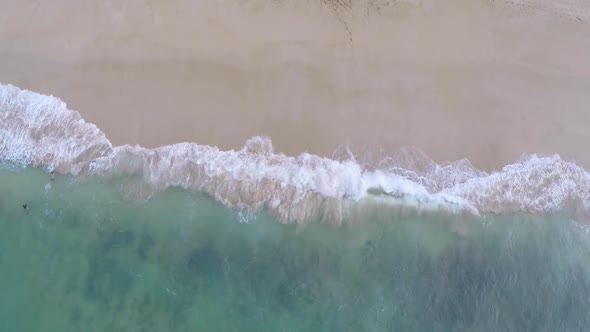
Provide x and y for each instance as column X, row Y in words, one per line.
column 39, row 130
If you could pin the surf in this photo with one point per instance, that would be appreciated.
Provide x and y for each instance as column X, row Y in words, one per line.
column 38, row 130
column 86, row 257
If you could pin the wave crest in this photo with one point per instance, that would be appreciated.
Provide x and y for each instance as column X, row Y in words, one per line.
column 39, row 130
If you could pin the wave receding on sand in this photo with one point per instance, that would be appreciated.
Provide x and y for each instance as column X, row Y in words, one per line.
column 41, row 131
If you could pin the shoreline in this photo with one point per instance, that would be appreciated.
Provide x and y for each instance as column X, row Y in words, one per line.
column 484, row 88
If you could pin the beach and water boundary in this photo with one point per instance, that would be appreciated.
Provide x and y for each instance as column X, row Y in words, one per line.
column 250, row 232
column 483, row 80
column 191, row 237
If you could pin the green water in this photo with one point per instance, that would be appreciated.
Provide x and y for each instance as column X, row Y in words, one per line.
column 85, row 259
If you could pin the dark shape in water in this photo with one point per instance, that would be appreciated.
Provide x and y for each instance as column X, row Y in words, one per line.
column 205, row 260
column 76, row 316
column 146, row 243
column 118, row 239
column 107, row 280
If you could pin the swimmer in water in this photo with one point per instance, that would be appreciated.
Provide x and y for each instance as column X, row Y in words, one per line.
column 27, row 207
column 52, row 176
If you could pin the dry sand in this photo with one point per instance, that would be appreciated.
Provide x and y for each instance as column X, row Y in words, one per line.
column 487, row 80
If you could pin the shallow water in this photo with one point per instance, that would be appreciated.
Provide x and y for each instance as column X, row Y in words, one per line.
column 196, row 236
column 86, row 259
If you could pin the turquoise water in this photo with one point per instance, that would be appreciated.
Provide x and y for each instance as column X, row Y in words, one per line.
column 86, row 259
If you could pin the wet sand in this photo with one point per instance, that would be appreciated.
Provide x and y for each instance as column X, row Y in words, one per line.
column 478, row 79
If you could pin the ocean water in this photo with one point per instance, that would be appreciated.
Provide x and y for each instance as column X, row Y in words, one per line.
column 258, row 165
column 190, row 238
column 84, row 258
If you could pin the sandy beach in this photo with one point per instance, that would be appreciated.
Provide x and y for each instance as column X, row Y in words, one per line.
column 161, row 206
column 483, row 80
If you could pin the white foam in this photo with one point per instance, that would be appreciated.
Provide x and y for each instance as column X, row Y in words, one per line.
column 39, row 130
column 535, row 184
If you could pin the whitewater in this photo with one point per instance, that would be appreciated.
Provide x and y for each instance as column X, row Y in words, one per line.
column 39, row 130
column 382, row 165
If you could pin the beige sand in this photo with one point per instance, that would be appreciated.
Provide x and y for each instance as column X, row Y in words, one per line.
column 487, row 80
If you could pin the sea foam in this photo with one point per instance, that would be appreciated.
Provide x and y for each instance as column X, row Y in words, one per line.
column 39, row 130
